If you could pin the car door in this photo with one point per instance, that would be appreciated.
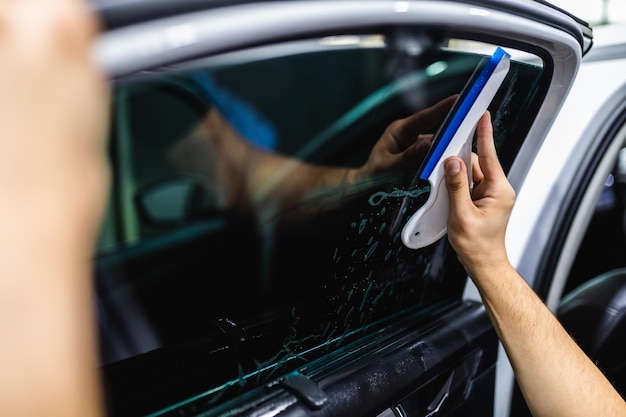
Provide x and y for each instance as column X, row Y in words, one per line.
column 245, row 266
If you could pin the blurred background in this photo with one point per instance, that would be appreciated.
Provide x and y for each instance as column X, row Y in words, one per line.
column 595, row 12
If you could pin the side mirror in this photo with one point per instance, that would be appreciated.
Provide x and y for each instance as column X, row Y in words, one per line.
column 173, row 202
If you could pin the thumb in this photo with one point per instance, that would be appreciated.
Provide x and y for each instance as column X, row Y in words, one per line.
column 457, row 184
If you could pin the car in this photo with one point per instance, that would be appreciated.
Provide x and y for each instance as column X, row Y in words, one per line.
column 247, row 266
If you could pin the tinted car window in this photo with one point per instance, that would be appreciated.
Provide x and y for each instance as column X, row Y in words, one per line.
column 254, row 272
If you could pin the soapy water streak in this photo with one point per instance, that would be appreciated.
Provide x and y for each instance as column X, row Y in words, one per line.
column 378, row 197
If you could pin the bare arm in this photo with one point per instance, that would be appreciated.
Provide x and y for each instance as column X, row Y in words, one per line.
column 401, row 148
column 251, row 179
column 555, row 376
column 53, row 178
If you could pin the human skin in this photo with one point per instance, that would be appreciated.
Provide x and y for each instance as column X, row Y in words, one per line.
column 251, row 179
column 555, row 376
column 53, row 180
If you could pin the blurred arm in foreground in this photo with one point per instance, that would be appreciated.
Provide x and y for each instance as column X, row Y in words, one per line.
column 54, row 180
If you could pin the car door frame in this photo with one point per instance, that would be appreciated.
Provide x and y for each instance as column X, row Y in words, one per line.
column 558, row 38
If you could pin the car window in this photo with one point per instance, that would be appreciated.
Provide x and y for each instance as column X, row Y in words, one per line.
column 257, row 269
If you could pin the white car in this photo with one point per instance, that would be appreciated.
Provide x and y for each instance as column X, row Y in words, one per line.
column 252, row 261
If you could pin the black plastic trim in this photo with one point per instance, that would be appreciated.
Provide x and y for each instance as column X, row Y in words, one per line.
column 120, row 13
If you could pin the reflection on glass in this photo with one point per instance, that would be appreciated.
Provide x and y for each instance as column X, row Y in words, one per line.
column 264, row 203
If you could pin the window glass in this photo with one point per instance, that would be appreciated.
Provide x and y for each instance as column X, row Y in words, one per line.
column 243, row 229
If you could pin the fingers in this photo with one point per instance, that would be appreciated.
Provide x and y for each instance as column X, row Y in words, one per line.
column 477, row 173
column 488, row 161
column 419, row 151
column 406, row 142
column 423, row 121
column 458, row 186
column 485, row 166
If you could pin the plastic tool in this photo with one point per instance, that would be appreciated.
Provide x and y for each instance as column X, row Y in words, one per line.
column 455, row 136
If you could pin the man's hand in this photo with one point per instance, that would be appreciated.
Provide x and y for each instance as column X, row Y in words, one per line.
column 555, row 376
column 405, row 142
column 477, row 220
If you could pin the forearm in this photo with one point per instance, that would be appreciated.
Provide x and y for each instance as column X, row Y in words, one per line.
column 53, row 177
column 290, row 182
column 247, row 179
column 47, row 354
column 555, row 376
